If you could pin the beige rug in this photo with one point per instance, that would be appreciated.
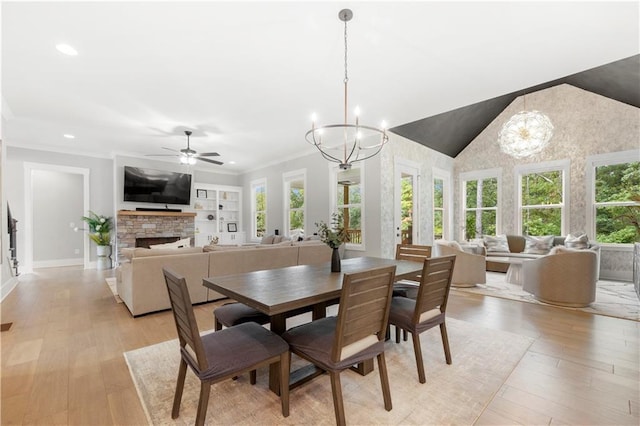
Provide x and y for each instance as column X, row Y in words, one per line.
column 613, row 298
column 454, row 394
column 111, row 282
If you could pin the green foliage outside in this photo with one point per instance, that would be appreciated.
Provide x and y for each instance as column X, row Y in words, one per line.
column 541, row 189
column 353, row 213
column 438, row 212
column 481, row 203
column 406, row 203
column 261, row 212
column 296, row 201
column 618, row 183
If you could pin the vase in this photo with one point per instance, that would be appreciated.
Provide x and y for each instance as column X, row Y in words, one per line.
column 335, row 260
column 104, row 261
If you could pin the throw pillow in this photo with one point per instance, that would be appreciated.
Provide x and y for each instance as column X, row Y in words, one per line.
column 577, row 241
column 538, row 245
column 268, row 239
column 497, row 244
column 562, row 250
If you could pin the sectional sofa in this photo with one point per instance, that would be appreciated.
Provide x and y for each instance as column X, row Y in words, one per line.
column 141, row 285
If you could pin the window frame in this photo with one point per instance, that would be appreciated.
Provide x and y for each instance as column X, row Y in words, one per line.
column 474, row 176
column 447, row 202
column 593, row 161
column 334, row 206
column 287, row 178
column 255, row 184
column 548, row 166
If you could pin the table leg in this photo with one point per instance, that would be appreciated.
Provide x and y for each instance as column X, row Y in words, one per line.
column 278, row 326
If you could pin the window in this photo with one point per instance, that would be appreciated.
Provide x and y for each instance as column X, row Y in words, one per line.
column 347, row 200
column 480, row 198
column 294, row 203
column 542, row 189
column 258, row 208
column 614, row 184
column 441, row 203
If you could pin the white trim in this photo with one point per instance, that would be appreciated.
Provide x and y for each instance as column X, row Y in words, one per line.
column 58, row 263
column 614, row 275
column 447, row 200
column 479, row 175
column 288, row 177
column 548, row 166
column 7, row 287
column 28, row 207
column 592, row 162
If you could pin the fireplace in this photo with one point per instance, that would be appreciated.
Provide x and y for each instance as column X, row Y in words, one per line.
column 144, row 228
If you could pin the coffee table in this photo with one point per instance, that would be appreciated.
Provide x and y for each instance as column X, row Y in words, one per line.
column 514, row 273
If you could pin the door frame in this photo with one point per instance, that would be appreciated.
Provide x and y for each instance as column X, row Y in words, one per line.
column 29, row 168
column 402, row 165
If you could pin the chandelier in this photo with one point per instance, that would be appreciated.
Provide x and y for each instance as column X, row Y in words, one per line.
column 526, row 133
column 347, row 143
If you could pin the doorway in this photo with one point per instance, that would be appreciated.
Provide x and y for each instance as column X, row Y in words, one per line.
column 407, row 221
column 56, row 197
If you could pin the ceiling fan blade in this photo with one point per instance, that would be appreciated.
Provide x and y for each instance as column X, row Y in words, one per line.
column 170, row 149
column 209, row 154
column 162, row 155
column 220, row 163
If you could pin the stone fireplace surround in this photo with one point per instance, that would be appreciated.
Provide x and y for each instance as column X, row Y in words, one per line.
column 149, row 225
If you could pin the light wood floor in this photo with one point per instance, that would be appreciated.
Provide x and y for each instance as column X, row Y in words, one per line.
column 62, row 359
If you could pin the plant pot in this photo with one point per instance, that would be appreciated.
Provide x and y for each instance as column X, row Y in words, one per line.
column 335, row 260
column 104, row 261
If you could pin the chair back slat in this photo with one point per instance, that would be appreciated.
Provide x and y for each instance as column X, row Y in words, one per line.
column 413, row 252
column 434, row 285
column 364, row 307
column 186, row 324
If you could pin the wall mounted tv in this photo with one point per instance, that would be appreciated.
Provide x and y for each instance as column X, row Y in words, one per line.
column 156, row 186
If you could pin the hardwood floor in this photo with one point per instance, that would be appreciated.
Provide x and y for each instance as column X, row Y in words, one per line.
column 62, row 358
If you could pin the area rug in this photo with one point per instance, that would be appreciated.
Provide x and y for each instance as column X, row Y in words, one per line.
column 613, row 298
column 111, row 282
column 454, row 394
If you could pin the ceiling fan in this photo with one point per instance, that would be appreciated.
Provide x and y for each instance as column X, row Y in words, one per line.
column 190, row 156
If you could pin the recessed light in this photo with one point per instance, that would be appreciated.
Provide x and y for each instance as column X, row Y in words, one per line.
column 68, row 136
column 232, row 162
column 66, row 49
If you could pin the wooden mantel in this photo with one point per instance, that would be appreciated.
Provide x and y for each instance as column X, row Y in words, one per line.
column 154, row 213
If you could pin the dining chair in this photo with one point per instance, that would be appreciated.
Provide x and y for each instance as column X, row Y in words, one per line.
column 428, row 309
column 417, row 253
column 357, row 334
column 222, row 355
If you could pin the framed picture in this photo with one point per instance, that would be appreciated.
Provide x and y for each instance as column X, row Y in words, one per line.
column 201, row 193
column 232, row 227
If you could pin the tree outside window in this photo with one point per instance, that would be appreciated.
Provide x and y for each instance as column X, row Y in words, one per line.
column 438, row 209
column 481, row 206
column 295, row 203
column 259, row 208
column 542, row 203
column 617, row 203
column 349, row 203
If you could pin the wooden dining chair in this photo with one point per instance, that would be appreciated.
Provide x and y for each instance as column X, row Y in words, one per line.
column 428, row 309
column 357, row 334
column 224, row 354
column 417, row 253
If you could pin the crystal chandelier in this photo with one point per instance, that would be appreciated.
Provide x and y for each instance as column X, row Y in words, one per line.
column 347, row 143
column 526, row 133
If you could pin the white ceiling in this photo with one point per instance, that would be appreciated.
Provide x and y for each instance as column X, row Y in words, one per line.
column 246, row 76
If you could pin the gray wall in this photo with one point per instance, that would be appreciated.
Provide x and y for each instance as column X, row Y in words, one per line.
column 585, row 124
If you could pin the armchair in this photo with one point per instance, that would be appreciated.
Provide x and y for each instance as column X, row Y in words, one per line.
column 470, row 269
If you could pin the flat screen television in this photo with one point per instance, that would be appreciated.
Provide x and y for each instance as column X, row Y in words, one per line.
column 156, row 186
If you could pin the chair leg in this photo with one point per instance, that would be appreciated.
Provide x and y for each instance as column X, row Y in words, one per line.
column 285, row 365
column 205, row 389
column 384, row 381
column 445, row 343
column 182, row 372
column 218, row 325
column 404, row 335
column 338, row 405
column 418, row 352
column 397, row 334
column 252, row 377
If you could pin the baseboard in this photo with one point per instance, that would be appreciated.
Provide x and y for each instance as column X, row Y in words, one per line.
column 8, row 287
column 606, row 274
column 58, row 263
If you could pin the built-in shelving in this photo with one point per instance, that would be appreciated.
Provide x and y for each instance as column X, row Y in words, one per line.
column 218, row 214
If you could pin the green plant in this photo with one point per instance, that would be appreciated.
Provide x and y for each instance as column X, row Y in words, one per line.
column 335, row 235
column 99, row 228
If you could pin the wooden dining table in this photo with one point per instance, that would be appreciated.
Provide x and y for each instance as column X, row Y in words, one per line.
column 284, row 292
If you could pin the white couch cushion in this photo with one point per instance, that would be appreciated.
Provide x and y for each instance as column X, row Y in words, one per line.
column 497, row 244
column 538, row 245
column 577, row 241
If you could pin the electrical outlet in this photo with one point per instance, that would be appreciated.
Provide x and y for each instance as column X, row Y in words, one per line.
column 72, row 225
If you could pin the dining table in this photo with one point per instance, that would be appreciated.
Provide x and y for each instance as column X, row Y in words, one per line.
column 285, row 292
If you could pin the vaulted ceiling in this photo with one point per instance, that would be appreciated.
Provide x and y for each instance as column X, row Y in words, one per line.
column 246, row 76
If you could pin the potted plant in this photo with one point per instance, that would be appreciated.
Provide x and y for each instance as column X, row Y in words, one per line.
column 333, row 236
column 100, row 233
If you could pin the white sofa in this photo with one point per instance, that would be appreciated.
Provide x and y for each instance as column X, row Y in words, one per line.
column 469, row 269
column 140, row 283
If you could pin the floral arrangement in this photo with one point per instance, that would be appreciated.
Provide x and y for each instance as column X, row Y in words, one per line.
column 335, row 235
column 99, row 228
